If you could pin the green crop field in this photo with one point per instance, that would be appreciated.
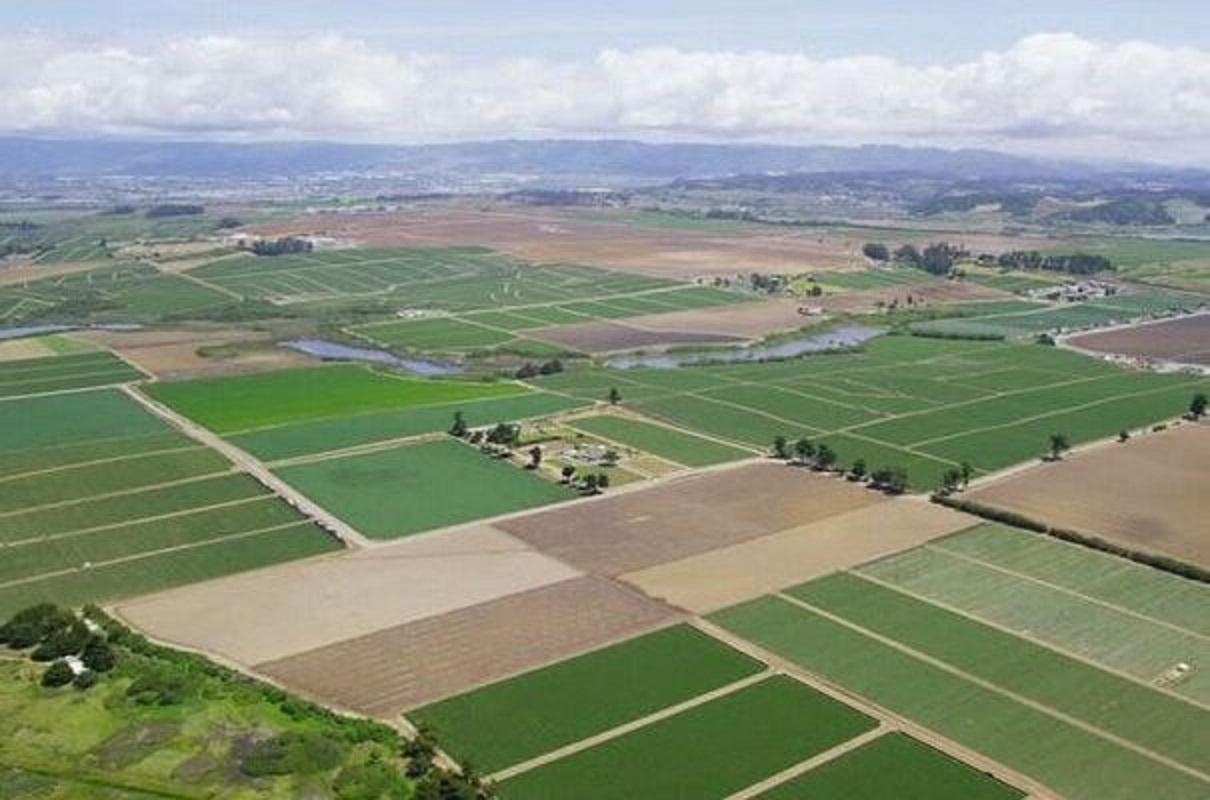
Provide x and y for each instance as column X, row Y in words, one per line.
column 247, row 402
column 1118, row 637
column 581, row 697
column 893, row 767
column 102, row 501
column 1133, row 711
column 1023, row 737
column 708, row 751
column 875, row 278
column 1133, row 587
column 116, row 292
column 306, row 438
column 923, row 404
column 683, row 448
column 405, row 490
column 60, row 373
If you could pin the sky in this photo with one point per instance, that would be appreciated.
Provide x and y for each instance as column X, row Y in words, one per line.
column 1065, row 78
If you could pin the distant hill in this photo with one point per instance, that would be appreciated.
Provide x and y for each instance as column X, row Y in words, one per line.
column 608, row 158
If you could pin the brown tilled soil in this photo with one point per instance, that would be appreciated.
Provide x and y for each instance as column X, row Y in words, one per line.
column 551, row 235
column 1150, row 493
column 174, row 353
column 685, row 516
column 742, row 320
column 719, row 578
column 1185, row 340
column 270, row 614
column 15, row 274
column 605, row 337
column 388, row 672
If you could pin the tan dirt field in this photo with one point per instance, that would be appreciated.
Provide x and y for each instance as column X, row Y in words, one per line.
column 550, row 235
column 606, row 337
column 1149, row 493
column 686, row 516
column 1185, row 340
column 742, row 320
column 14, row 274
column 388, row 672
column 719, row 578
column 22, row 349
column 274, row 613
column 174, row 353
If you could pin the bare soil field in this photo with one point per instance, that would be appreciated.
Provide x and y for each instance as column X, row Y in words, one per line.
column 742, row 320
column 548, row 235
column 606, row 337
column 686, row 516
column 388, row 672
column 274, row 613
column 1184, row 340
column 1149, row 493
column 22, row 349
column 174, row 353
column 719, row 578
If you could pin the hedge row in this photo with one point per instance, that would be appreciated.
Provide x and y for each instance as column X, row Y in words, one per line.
column 1165, row 563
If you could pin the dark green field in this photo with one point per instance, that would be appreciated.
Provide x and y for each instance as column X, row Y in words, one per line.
column 659, row 440
column 893, row 767
column 62, row 373
column 575, row 699
column 708, row 751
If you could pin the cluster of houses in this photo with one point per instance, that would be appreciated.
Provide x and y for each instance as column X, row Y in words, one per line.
column 1076, row 292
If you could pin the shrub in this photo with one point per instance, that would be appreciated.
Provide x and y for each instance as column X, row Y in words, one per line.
column 86, row 680
column 57, row 674
column 374, row 781
column 292, row 753
column 98, row 655
column 160, row 685
column 35, row 624
column 64, row 642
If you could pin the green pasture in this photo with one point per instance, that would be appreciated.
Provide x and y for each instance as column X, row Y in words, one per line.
column 709, row 751
column 572, row 700
column 405, row 490
column 70, row 419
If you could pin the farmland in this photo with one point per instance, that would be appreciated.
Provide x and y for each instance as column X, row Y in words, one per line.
column 926, row 405
column 63, row 373
column 249, row 402
column 412, row 488
column 692, row 451
column 1185, row 340
column 1145, row 494
column 1044, row 684
column 101, row 500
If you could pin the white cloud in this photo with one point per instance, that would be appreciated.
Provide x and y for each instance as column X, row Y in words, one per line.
column 1054, row 93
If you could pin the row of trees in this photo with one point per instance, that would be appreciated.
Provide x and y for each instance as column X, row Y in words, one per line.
column 285, row 246
column 1072, row 263
column 822, row 458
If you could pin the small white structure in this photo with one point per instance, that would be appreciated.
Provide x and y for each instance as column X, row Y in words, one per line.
column 75, row 665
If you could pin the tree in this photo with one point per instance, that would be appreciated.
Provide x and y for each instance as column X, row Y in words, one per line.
column 951, row 480
column 857, row 471
column 804, row 448
column 615, row 396
column 568, row 472
column 535, row 457
column 876, row 251
column 781, row 448
column 825, row 457
column 1058, row 446
column 602, row 482
column 1197, row 406
column 459, row 428
column 1123, row 435
column 892, row 480
column 967, row 472
column 505, row 434
column 98, row 655
column 57, row 674
column 590, row 483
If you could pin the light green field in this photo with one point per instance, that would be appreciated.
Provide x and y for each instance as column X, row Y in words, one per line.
column 1021, row 737
column 1134, row 712
column 893, row 767
column 444, row 334
column 692, row 451
column 406, row 490
column 583, row 696
column 289, row 441
column 709, row 751
column 247, row 402
column 1118, row 638
column 1142, row 590
column 926, row 405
